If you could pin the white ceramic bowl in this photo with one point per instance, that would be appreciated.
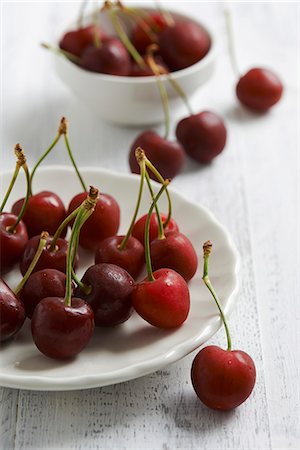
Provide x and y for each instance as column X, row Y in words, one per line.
column 132, row 101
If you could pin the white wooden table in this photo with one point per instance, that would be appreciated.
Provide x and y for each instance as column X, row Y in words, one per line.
column 252, row 189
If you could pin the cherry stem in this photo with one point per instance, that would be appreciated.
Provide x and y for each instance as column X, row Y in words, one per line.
column 207, row 247
column 137, row 206
column 61, row 227
column 21, row 160
column 86, row 209
column 81, row 13
column 161, row 233
column 26, row 200
column 40, row 249
column 147, row 228
column 84, row 287
column 59, row 51
column 140, row 21
column 230, row 38
column 165, row 14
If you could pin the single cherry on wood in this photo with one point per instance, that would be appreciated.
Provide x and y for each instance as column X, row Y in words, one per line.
column 222, row 379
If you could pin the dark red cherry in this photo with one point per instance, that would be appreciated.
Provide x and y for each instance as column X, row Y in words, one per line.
column 12, row 312
column 183, row 44
column 104, row 221
column 259, row 89
column 41, row 284
column 61, row 331
column 111, row 58
column 49, row 259
column 223, row 379
column 45, row 211
column 131, row 258
column 138, row 230
column 164, row 302
column 176, row 252
column 203, row 136
column 110, row 297
column 168, row 157
column 11, row 244
column 140, row 39
column 77, row 40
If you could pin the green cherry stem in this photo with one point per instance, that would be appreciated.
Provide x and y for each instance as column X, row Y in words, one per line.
column 165, row 14
column 21, row 160
column 64, row 126
column 59, row 51
column 139, row 20
column 207, row 247
column 141, row 161
column 82, row 9
column 147, row 228
column 25, row 203
column 41, row 247
column 161, row 233
column 61, row 227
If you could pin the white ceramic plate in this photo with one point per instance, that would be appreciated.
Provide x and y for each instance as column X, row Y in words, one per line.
column 135, row 348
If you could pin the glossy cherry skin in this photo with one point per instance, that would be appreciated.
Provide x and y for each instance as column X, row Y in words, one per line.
column 131, row 258
column 110, row 297
column 11, row 244
column 203, row 136
column 176, row 252
column 223, row 379
column 41, row 284
column 111, row 58
column 45, row 211
column 77, row 40
column 259, row 89
column 12, row 312
column 183, row 44
column 104, row 221
column 140, row 39
column 60, row 331
column 168, row 157
column 138, row 230
column 164, row 302
column 49, row 259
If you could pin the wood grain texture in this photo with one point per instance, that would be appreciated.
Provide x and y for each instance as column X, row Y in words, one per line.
column 251, row 188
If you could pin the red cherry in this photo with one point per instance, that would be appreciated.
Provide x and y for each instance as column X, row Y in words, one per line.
column 140, row 39
column 164, row 302
column 111, row 58
column 77, row 40
column 203, row 136
column 259, row 89
column 168, row 157
column 45, row 211
column 103, row 223
column 176, row 252
column 61, row 331
column 110, row 296
column 41, row 284
column 138, row 230
column 49, row 259
column 223, row 379
column 11, row 244
column 12, row 312
column 131, row 258
column 183, row 44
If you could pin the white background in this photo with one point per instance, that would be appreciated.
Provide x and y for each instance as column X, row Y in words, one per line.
column 251, row 188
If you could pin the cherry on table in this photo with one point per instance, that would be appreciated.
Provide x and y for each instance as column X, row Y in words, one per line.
column 138, row 230
column 111, row 57
column 203, row 136
column 167, row 156
column 76, row 41
column 11, row 244
column 110, row 288
column 259, row 89
column 12, row 312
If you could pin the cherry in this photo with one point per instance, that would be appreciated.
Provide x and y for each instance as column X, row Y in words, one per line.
column 41, row 284
column 183, row 44
column 176, row 252
column 76, row 41
column 168, row 157
column 111, row 57
column 50, row 259
column 11, row 244
column 203, row 136
column 259, row 89
column 12, row 312
column 146, row 33
column 222, row 379
column 138, row 230
column 45, row 211
column 108, row 292
column 103, row 223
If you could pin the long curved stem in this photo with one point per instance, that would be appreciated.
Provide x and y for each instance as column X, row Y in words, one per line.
column 26, row 200
column 161, row 233
column 61, row 227
column 74, row 163
column 21, row 160
column 206, row 252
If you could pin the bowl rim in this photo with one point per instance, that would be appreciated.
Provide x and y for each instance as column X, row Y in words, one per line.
column 176, row 75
